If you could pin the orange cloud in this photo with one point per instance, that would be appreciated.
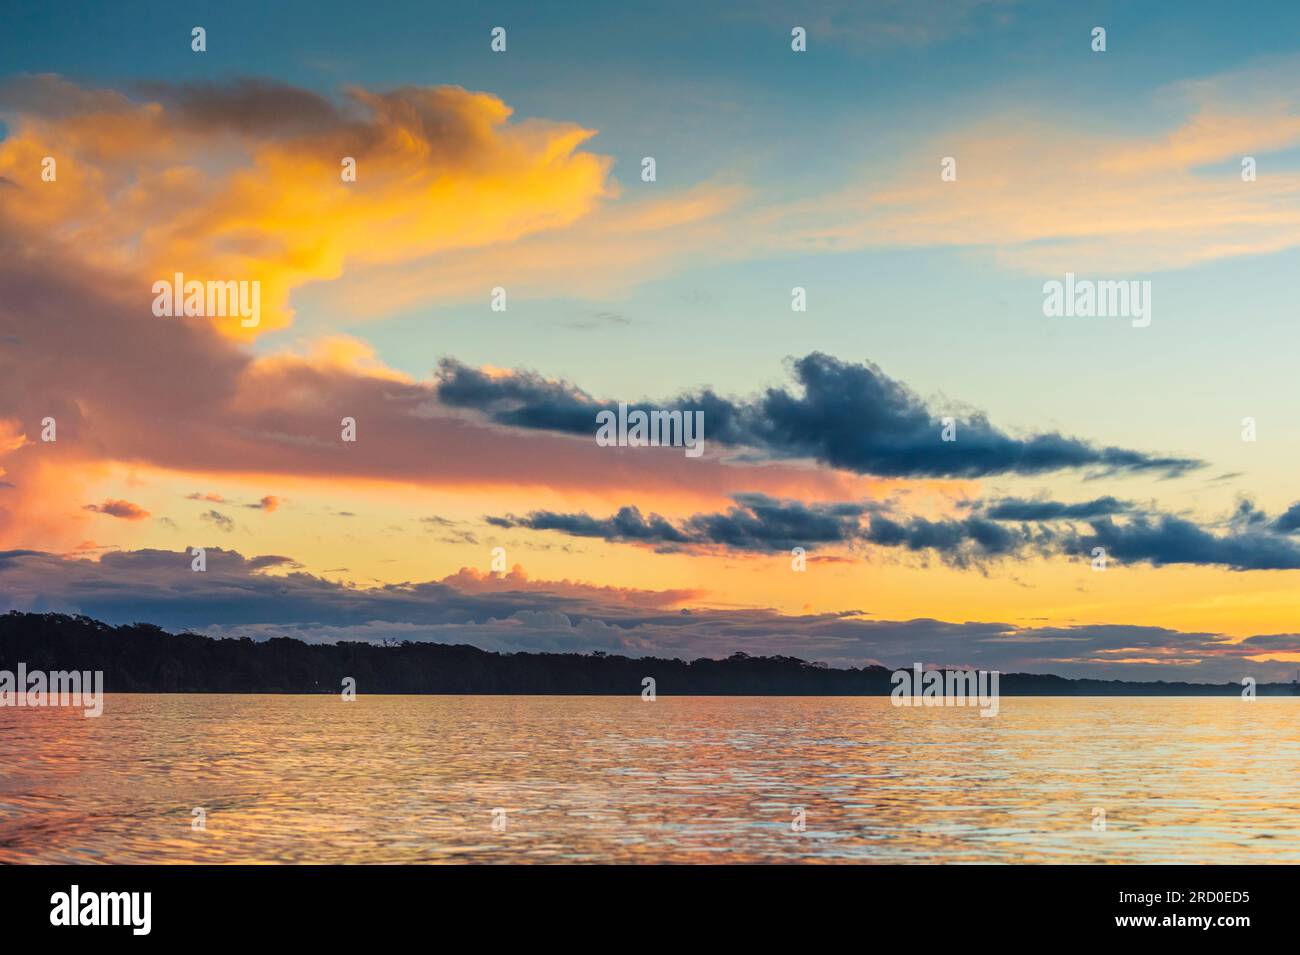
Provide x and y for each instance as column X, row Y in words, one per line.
column 471, row 581
column 244, row 182
column 614, row 248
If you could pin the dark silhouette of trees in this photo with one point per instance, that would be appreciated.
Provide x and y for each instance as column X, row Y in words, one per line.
column 143, row 658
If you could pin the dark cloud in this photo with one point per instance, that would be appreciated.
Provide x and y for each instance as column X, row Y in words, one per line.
column 53, row 97
column 758, row 523
column 247, row 106
column 1247, row 516
column 1290, row 520
column 222, row 522
column 1162, row 539
column 270, row 560
column 1020, row 509
column 123, row 509
column 961, row 542
column 521, row 399
column 1248, row 540
column 850, row 416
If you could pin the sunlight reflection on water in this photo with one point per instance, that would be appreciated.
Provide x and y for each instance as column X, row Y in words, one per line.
column 682, row 779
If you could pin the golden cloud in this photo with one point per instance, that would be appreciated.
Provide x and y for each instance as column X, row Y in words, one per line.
column 1048, row 197
column 245, row 182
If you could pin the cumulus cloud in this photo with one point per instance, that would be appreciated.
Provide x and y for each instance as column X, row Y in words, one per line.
column 255, row 167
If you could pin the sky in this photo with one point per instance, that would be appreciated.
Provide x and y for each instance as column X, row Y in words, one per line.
column 920, row 464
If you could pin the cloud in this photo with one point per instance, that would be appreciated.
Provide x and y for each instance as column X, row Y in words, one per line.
column 1290, row 520
column 617, row 247
column 760, row 524
column 222, row 522
column 1049, row 197
column 1250, row 540
column 123, row 509
column 1166, row 539
column 962, row 543
column 209, row 497
column 160, row 586
column 757, row 523
column 242, row 180
column 1019, row 509
column 845, row 415
column 268, row 504
column 245, row 106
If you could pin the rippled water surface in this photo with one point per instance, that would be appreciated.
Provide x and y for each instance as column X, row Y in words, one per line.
column 416, row 779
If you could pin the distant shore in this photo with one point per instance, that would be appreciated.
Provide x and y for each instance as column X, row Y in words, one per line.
column 141, row 658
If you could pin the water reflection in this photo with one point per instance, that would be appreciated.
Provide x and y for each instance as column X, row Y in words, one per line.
column 415, row 779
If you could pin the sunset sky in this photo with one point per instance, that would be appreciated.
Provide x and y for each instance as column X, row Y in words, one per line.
column 775, row 169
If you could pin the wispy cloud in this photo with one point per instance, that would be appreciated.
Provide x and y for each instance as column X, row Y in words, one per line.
column 221, row 521
column 1048, row 197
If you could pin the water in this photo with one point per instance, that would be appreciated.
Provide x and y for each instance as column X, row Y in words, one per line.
column 604, row 779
